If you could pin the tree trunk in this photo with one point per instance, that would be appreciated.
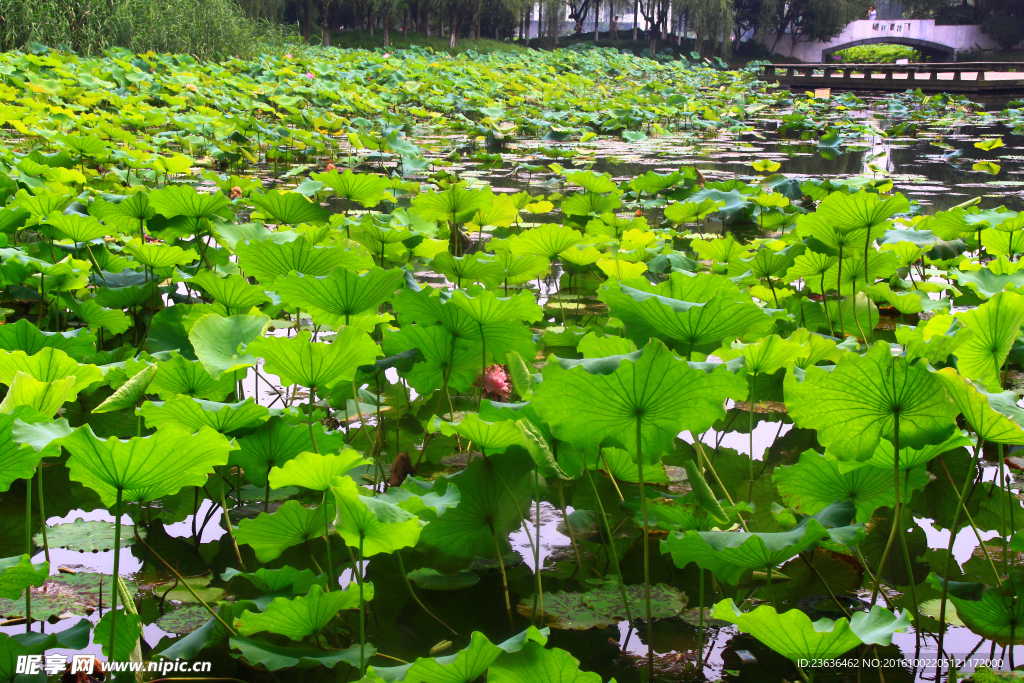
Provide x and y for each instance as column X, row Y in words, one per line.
column 405, row 24
column 384, row 26
column 304, row 20
column 636, row 10
column 425, row 24
column 371, row 22
column 325, row 23
column 597, row 19
column 453, row 26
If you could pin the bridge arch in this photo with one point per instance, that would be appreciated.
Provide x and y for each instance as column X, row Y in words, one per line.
column 936, row 51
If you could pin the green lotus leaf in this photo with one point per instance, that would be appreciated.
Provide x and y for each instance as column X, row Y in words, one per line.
column 277, row 657
column 180, row 376
column 986, row 283
column 861, row 210
column 996, row 613
column 44, row 397
column 18, row 573
column 432, row 580
column 456, row 204
column 590, row 181
column 276, row 580
column 208, row 635
column 42, row 204
column 686, row 325
column 518, row 270
column 126, row 635
column 145, row 468
column 303, row 616
column 373, row 525
column 314, row 470
column 267, row 260
column 690, row 212
column 477, row 267
column 183, row 620
column 815, row 482
column 601, row 607
column 993, row 417
column 84, row 537
column 536, row 663
column 548, row 241
column 196, row 413
column 159, row 255
column 220, row 342
column 336, row 297
column 270, row 534
column 47, row 365
column 129, row 394
column 416, row 495
column 591, row 204
column 439, row 352
column 367, row 189
column 856, row 404
column 183, row 200
column 275, row 442
column 910, row 458
column 76, row 227
column 771, row 354
column 489, row 437
column 648, row 397
column 730, row 553
column 793, row 635
column 233, row 292
column 96, row 316
column 289, row 208
column 22, row 335
column 297, row 360
column 996, row 326
column 495, row 494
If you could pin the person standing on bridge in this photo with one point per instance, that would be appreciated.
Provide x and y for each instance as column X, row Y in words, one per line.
column 872, row 14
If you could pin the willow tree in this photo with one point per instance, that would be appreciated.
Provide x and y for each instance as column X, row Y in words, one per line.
column 711, row 21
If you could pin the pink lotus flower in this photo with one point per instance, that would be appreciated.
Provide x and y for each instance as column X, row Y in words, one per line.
column 309, row 74
column 496, row 382
column 288, row 56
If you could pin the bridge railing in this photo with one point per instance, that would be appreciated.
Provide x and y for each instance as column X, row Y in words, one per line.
column 887, row 70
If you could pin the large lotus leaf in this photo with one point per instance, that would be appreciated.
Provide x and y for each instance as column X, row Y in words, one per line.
column 987, row 284
column 270, row 534
column 536, row 663
column 468, row 664
column 793, row 635
column 479, row 316
column 336, row 297
column 996, row 326
column 857, row 403
column 220, row 342
column 730, row 553
column 861, row 210
column 18, row 457
column 690, row 212
column 517, row 270
column 815, row 482
column 183, row 200
column 233, row 291
column 277, row 657
column 476, row 267
column 276, row 580
column 145, row 468
column 77, row 227
column 196, row 413
column 315, row 470
column 43, row 397
column 416, row 495
column 47, row 365
column 646, row 397
column 22, row 335
column 993, row 417
column 289, row 208
column 129, row 394
column 489, row 437
column 439, row 351
column 267, row 260
column 96, row 316
column 996, row 615
column 495, row 494
column 548, row 241
column 183, row 620
column 303, row 616
column 17, row 573
column 771, row 354
column 456, row 204
column 159, row 255
column 180, row 376
column 297, row 360
column 126, row 635
column 684, row 324
column 367, row 189
column 370, row 524
column 128, row 213
column 275, row 442
column 209, row 634
column 591, row 204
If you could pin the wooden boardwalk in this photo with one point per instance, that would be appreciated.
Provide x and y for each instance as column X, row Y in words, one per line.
column 982, row 78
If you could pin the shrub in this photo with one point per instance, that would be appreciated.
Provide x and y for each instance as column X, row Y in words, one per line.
column 877, row 54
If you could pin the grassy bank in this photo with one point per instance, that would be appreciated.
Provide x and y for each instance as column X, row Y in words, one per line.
column 355, row 39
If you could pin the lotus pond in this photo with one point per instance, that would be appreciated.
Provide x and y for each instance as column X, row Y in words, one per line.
column 566, row 366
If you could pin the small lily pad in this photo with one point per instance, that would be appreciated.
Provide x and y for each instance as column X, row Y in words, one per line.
column 431, row 579
column 85, row 537
column 201, row 585
column 603, row 606
column 77, row 594
column 183, row 620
